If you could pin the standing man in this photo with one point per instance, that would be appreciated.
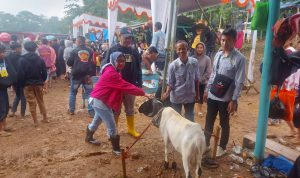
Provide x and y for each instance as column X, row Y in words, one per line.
column 54, row 44
column 83, row 69
column 224, row 87
column 183, row 81
column 158, row 41
column 32, row 74
column 131, row 73
column 47, row 53
column 14, row 58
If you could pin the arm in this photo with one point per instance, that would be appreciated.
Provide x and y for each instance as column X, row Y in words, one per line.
column 170, row 83
column 154, row 40
column 43, row 70
column 212, row 76
column 197, row 80
column 146, row 62
column 70, row 61
column 208, row 71
column 115, row 81
column 239, row 79
column 53, row 56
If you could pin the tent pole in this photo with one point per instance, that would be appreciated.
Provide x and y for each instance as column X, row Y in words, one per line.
column 264, row 100
column 168, row 43
column 174, row 29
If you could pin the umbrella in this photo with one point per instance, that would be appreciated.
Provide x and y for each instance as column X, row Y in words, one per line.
column 5, row 37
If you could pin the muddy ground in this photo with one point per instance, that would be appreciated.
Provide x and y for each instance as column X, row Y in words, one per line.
column 58, row 149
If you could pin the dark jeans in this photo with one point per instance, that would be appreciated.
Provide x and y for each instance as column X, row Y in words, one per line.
column 188, row 109
column 160, row 62
column 19, row 97
column 75, row 84
column 4, row 105
column 201, row 93
column 213, row 107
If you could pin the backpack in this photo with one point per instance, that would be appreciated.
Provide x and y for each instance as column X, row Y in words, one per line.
column 45, row 54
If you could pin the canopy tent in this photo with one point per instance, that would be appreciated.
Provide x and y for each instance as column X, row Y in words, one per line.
column 157, row 10
column 86, row 23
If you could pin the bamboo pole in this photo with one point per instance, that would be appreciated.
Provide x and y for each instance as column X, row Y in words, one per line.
column 264, row 100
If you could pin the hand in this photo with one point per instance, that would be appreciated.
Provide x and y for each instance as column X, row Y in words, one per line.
column 149, row 96
column 165, row 96
column 205, row 96
column 232, row 107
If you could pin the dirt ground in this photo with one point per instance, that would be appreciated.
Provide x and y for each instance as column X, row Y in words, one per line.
column 58, row 149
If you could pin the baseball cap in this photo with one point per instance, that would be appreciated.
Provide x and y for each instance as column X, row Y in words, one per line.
column 126, row 32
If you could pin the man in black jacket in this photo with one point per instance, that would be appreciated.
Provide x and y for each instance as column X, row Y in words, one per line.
column 14, row 58
column 132, row 73
column 81, row 61
column 32, row 74
column 7, row 78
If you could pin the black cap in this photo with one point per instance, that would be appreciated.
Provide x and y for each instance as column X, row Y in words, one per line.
column 30, row 46
column 126, row 32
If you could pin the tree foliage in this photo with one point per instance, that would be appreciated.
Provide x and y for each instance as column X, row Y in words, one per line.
column 26, row 21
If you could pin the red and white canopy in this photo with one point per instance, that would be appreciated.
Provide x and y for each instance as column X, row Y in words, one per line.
column 90, row 23
column 158, row 10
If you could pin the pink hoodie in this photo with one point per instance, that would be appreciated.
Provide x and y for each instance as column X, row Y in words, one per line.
column 111, row 87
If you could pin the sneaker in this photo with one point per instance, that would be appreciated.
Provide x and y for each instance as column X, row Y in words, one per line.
column 4, row 134
column 12, row 114
column 200, row 114
column 220, row 151
column 70, row 113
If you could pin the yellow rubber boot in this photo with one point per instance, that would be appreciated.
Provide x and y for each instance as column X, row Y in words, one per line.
column 130, row 125
column 117, row 121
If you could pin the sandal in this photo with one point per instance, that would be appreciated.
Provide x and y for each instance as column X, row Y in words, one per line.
column 4, row 134
column 209, row 163
column 8, row 129
column 45, row 121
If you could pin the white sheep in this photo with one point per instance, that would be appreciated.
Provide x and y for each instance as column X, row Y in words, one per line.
column 186, row 137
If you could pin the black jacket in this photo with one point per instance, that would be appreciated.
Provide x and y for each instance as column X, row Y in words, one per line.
column 82, row 66
column 132, row 71
column 32, row 70
column 5, row 82
column 14, row 58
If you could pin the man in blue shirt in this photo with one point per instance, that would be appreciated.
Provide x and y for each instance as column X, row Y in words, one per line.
column 158, row 41
column 183, row 81
column 229, row 62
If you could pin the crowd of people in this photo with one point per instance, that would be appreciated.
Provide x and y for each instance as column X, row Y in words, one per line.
column 192, row 78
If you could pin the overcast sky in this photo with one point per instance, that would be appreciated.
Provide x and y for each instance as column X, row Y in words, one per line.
column 46, row 7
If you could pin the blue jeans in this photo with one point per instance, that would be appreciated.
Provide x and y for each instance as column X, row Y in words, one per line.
column 4, row 105
column 75, row 84
column 105, row 114
column 188, row 108
column 19, row 96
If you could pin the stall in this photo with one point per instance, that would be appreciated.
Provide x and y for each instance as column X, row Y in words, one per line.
column 86, row 23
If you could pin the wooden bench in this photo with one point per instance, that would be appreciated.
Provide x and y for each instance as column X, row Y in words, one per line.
column 250, row 139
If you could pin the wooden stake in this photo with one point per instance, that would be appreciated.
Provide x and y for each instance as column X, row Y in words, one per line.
column 123, row 163
column 216, row 141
